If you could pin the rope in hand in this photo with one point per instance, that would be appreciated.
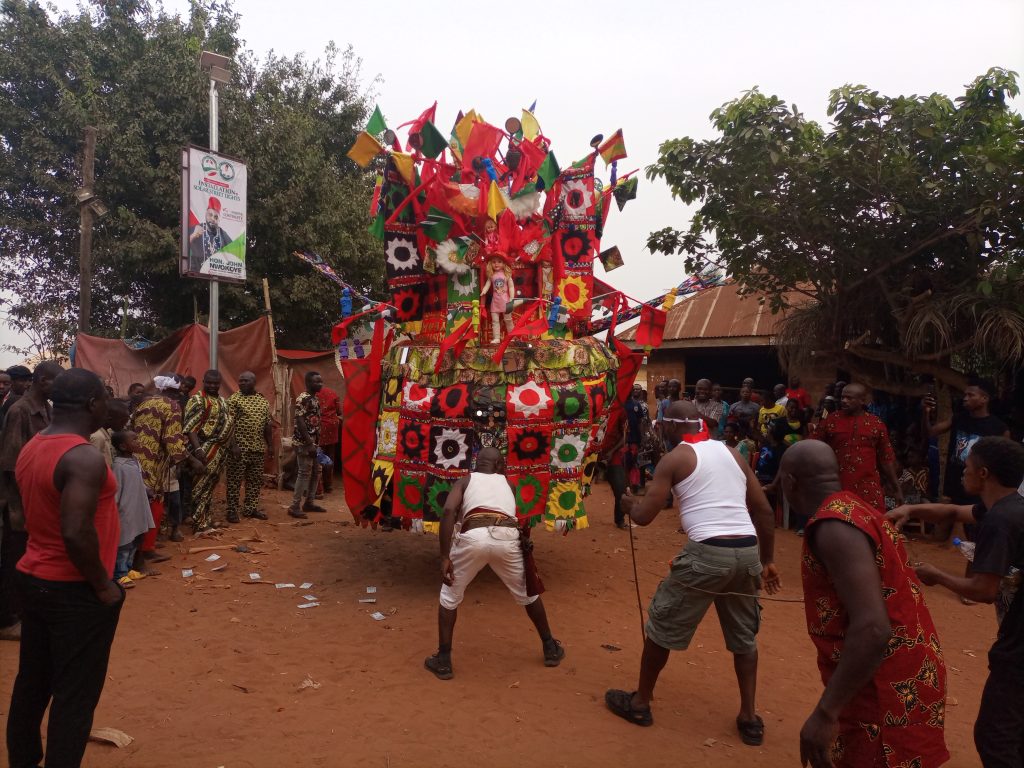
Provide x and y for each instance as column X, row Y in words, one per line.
column 740, row 594
column 636, row 581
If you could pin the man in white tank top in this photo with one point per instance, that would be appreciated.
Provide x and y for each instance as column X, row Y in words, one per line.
column 484, row 508
column 730, row 527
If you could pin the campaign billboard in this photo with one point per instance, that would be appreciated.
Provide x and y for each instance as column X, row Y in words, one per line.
column 213, row 222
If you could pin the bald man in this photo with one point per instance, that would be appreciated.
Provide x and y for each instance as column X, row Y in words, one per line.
column 878, row 651
column 484, row 509
column 861, row 443
column 711, row 410
column 730, row 526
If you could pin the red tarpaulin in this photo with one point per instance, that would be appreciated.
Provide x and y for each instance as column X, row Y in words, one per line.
column 186, row 351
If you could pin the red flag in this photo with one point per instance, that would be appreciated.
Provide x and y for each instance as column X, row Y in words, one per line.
column 483, row 142
column 525, row 327
column 358, row 429
column 652, row 326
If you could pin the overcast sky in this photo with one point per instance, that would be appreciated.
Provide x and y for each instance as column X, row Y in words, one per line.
column 654, row 69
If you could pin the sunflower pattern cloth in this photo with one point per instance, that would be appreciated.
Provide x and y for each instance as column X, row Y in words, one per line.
column 546, row 421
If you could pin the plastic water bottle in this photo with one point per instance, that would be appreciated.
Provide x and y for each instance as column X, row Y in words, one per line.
column 966, row 548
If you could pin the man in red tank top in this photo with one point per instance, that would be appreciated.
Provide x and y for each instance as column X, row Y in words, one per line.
column 884, row 701
column 71, row 603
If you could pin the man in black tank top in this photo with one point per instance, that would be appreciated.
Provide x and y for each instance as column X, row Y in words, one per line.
column 703, row 573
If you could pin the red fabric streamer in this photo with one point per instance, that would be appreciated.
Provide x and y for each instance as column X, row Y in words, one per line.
column 456, row 341
column 419, row 122
column 629, row 365
column 340, row 331
column 524, row 327
column 359, row 428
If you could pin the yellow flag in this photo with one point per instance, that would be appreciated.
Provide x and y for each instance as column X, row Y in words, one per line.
column 365, row 149
column 495, row 201
column 531, row 128
column 404, row 164
column 465, row 126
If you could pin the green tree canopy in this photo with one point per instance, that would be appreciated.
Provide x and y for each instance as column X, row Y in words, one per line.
column 133, row 72
column 892, row 240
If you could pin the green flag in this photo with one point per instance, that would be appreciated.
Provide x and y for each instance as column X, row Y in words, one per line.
column 625, row 191
column 433, row 142
column 376, row 125
column 437, row 225
column 377, row 226
column 548, row 171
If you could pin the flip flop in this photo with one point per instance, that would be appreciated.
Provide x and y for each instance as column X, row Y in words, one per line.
column 751, row 731
column 441, row 668
column 621, row 703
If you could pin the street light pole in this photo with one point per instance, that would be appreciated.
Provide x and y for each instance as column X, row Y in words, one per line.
column 85, row 233
column 214, row 284
column 217, row 67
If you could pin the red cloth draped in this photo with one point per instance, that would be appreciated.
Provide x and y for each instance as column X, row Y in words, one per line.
column 359, row 427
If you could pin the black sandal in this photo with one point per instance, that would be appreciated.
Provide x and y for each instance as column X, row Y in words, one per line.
column 751, row 731
column 621, row 703
column 440, row 666
column 553, row 652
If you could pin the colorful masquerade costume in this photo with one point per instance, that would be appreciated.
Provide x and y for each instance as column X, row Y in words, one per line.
column 898, row 717
column 480, row 230
column 210, row 418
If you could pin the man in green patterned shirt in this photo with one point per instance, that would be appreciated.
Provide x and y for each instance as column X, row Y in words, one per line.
column 306, row 440
column 249, row 448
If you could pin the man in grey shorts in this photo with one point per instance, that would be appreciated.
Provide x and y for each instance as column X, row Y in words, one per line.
column 730, row 527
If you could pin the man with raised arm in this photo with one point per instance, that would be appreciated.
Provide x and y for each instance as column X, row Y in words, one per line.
column 993, row 472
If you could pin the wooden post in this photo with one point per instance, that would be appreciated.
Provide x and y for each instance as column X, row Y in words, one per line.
column 270, row 319
column 279, row 400
column 86, row 214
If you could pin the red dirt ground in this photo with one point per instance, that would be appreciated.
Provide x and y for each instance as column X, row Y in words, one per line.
column 207, row 671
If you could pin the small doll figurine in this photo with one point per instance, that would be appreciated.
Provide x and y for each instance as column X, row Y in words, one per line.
column 491, row 241
column 499, row 282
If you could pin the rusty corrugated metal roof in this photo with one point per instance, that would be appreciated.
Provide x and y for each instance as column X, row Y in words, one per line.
column 717, row 313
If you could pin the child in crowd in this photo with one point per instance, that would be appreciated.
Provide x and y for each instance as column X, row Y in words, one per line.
column 132, row 506
column 746, row 446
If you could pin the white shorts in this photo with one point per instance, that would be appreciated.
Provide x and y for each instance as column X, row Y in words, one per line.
column 496, row 546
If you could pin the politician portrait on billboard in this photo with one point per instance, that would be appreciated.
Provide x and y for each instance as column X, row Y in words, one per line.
column 213, row 216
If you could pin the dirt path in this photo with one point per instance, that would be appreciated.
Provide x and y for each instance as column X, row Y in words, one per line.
column 209, row 671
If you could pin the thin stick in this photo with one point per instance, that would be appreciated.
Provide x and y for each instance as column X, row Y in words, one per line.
column 636, row 583
column 196, row 550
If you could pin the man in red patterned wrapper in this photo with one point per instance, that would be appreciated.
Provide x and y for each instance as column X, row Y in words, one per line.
column 862, row 446
column 878, row 651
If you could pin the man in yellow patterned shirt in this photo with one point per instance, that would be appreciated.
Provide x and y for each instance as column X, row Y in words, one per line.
column 249, row 448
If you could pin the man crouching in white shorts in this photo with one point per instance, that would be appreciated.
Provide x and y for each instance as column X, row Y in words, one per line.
column 483, row 507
